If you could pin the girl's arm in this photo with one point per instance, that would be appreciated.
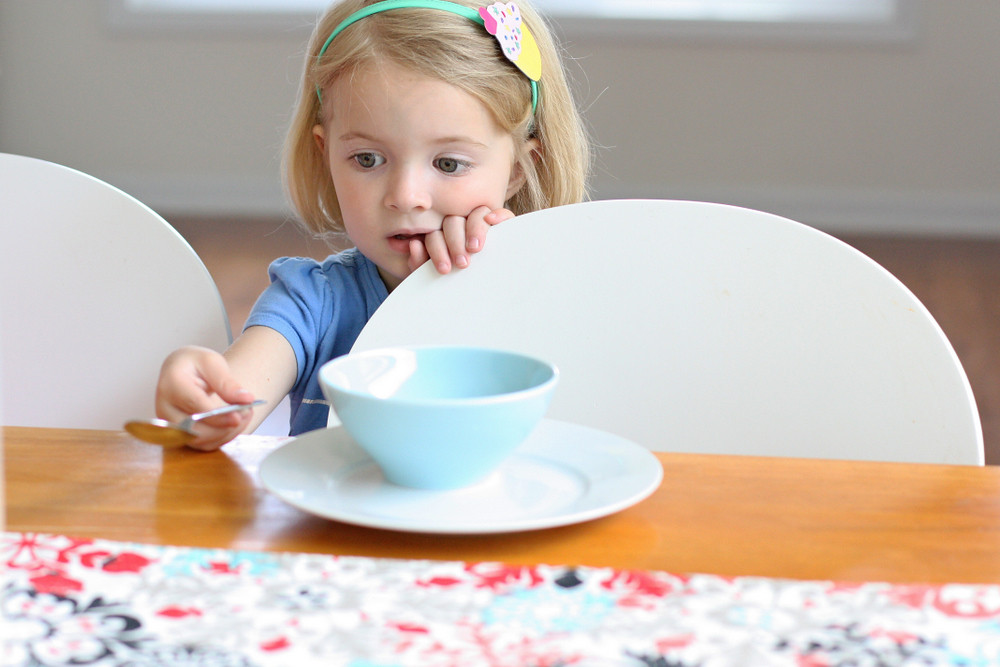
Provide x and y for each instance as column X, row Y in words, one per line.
column 259, row 364
column 458, row 239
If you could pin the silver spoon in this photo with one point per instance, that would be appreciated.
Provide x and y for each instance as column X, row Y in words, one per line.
column 170, row 434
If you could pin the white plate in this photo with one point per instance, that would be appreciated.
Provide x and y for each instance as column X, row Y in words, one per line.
column 562, row 474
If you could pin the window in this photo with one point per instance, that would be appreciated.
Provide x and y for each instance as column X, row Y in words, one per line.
column 653, row 18
column 726, row 10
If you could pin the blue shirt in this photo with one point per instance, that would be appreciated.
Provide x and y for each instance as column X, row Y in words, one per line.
column 320, row 309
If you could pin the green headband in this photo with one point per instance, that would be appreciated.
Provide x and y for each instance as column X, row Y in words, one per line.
column 499, row 19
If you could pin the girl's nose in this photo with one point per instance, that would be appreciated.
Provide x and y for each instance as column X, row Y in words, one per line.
column 408, row 190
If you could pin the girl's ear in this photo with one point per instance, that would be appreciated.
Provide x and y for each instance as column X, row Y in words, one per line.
column 530, row 149
column 319, row 136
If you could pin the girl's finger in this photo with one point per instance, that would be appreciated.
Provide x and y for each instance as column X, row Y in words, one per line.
column 418, row 254
column 453, row 229
column 437, row 250
column 476, row 227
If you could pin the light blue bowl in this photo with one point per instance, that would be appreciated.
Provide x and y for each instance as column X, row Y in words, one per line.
column 438, row 417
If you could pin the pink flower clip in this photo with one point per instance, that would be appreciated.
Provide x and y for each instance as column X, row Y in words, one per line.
column 503, row 20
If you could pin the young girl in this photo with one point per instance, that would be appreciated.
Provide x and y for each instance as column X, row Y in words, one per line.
column 420, row 123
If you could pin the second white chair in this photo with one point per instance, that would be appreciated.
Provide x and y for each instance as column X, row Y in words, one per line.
column 698, row 327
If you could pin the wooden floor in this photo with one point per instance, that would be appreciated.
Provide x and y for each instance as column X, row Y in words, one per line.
column 957, row 279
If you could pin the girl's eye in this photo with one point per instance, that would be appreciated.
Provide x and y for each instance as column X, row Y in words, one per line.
column 450, row 165
column 368, row 160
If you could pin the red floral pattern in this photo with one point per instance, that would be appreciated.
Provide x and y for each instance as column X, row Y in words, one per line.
column 66, row 601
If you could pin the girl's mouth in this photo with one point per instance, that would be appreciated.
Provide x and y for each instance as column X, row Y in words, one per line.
column 401, row 242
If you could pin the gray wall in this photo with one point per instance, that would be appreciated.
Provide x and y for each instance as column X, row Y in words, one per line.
column 898, row 136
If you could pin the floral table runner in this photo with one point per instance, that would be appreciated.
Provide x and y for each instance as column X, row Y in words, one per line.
column 69, row 601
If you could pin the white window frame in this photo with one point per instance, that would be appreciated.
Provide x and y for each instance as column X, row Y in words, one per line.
column 684, row 19
column 728, row 20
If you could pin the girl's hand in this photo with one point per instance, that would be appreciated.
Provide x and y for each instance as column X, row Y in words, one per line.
column 197, row 379
column 458, row 239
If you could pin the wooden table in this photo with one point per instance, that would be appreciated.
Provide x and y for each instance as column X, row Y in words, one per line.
column 795, row 518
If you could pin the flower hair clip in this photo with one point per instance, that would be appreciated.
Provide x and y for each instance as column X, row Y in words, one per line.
column 502, row 20
column 518, row 44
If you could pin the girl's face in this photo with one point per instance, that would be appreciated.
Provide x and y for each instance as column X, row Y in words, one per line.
column 404, row 151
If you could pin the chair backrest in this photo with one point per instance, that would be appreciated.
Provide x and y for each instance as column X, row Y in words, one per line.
column 697, row 327
column 95, row 290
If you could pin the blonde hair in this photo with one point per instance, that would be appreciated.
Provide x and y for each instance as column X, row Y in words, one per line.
column 458, row 51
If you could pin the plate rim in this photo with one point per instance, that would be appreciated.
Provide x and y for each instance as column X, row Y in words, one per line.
column 642, row 490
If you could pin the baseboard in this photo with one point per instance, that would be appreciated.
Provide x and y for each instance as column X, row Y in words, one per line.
column 837, row 211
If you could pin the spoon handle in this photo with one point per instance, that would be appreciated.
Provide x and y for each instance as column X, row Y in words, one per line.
column 224, row 409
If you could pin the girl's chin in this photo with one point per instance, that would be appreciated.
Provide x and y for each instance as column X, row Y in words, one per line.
column 393, row 277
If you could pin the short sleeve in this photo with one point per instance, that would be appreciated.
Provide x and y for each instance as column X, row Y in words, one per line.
column 320, row 309
column 296, row 304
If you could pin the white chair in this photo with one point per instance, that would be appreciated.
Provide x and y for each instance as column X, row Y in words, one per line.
column 95, row 290
column 697, row 327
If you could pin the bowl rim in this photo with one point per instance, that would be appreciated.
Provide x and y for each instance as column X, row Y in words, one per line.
column 540, row 388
